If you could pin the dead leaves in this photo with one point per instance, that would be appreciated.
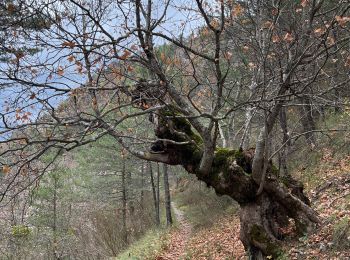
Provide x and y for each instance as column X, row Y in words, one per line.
column 71, row 58
column 304, row 3
column 179, row 239
column 22, row 115
column 220, row 241
column 237, row 10
column 275, row 38
column 330, row 200
column 68, row 44
column 228, row 55
column 11, row 8
column 288, row 37
column 60, row 71
column 125, row 55
column 6, row 169
column 342, row 20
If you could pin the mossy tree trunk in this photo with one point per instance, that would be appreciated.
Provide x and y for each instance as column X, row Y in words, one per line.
column 262, row 216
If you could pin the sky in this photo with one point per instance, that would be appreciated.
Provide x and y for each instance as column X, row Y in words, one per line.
column 178, row 12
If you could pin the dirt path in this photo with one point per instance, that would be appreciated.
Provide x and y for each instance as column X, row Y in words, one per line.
column 179, row 239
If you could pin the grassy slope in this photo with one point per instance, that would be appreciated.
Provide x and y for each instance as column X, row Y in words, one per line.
column 154, row 242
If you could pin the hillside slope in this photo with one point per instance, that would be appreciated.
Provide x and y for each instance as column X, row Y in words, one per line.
column 330, row 194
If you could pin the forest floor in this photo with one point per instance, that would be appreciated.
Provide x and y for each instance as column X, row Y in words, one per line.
column 219, row 241
column 179, row 238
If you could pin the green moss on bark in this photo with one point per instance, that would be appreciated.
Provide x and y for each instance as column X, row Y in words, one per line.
column 259, row 236
column 180, row 124
column 225, row 165
column 223, row 155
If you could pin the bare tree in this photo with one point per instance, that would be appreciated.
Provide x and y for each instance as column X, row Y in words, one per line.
column 102, row 61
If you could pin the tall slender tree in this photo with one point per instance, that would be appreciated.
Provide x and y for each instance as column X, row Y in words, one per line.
column 167, row 199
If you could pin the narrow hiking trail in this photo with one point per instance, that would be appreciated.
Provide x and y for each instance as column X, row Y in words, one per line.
column 180, row 237
column 217, row 242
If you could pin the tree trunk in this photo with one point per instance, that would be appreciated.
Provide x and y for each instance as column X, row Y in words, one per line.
column 158, row 196
column 169, row 219
column 231, row 173
column 142, row 185
column 124, row 228
column 286, row 142
column 154, row 193
column 245, row 140
column 307, row 121
column 129, row 193
column 54, row 224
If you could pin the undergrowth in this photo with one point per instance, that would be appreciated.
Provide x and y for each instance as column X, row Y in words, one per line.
column 148, row 247
column 200, row 204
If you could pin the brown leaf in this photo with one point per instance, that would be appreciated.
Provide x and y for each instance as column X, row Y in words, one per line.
column 60, row 71
column 125, row 55
column 215, row 23
column 288, row 37
column 68, row 44
column 304, row 3
column 6, row 169
column 228, row 55
column 342, row 20
column 71, row 58
column 267, row 25
column 237, row 10
column 11, row 8
column 319, row 31
column 275, row 38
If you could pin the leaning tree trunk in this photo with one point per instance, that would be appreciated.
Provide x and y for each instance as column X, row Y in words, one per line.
column 262, row 216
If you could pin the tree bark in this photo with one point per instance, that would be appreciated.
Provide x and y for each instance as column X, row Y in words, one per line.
column 158, row 196
column 54, row 224
column 124, row 228
column 307, row 121
column 142, row 186
column 154, row 193
column 286, row 142
column 129, row 193
column 169, row 220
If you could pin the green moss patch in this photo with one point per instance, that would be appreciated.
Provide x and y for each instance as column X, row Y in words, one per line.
column 259, row 235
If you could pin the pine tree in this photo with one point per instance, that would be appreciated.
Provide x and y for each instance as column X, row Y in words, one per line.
column 17, row 20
